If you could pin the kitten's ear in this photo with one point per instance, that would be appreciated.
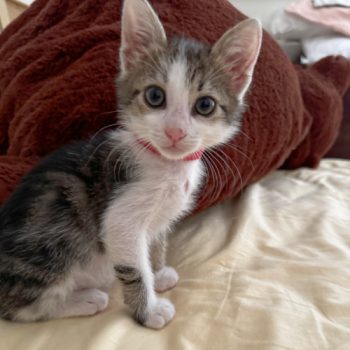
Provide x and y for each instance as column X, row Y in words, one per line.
column 140, row 28
column 238, row 50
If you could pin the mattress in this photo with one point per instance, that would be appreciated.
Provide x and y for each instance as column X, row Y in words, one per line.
column 268, row 270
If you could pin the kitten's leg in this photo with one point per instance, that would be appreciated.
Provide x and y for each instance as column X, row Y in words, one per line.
column 83, row 302
column 134, row 270
column 165, row 277
column 158, row 251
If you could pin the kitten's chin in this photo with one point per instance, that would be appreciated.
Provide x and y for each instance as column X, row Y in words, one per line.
column 172, row 153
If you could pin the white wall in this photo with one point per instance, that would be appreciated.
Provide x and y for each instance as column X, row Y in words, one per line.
column 261, row 9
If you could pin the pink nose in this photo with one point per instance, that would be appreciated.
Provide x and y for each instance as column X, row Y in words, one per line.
column 175, row 134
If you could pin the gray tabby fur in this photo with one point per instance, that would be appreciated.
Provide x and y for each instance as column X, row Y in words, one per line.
column 101, row 208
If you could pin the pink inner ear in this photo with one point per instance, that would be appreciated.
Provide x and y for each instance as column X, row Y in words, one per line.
column 140, row 29
column 127, row 55
column 136, row 43
column 240, row 66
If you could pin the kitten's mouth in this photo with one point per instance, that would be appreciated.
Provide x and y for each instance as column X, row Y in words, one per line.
column 171, row 152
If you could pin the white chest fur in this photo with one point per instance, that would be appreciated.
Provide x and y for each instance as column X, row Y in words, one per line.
column 163, row 193
column 169, row 190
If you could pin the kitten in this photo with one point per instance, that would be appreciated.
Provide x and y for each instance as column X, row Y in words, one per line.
column 101, row 209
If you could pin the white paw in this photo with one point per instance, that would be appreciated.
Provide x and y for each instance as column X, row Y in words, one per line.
column 162, row 313
column 165, row 279
column 95, row 300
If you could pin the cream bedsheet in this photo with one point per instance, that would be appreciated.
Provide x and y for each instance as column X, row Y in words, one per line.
column 270, row 270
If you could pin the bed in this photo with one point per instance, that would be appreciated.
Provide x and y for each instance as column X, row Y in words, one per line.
column 267, row 270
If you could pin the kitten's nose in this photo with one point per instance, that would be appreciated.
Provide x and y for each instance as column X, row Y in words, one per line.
column 175, row 134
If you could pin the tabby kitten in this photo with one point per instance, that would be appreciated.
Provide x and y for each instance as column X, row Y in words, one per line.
column 101, row 209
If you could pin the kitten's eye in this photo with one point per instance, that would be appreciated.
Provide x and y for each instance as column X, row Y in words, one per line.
column 154, row 96
column 205, row 106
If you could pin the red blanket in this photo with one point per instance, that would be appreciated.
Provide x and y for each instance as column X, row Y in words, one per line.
column 58, row 63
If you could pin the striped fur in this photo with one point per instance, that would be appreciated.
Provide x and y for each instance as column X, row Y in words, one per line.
column 100, row 209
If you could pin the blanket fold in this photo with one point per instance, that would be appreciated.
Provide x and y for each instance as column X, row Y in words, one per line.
column 59, row 60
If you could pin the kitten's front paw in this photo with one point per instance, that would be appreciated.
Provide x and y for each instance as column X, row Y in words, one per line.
column 162, row 313
column 165, row 279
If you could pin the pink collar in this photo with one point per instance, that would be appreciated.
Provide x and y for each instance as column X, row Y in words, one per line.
column 194, row 156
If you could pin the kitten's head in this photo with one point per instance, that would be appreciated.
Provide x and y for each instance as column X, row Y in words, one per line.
column 180, row 96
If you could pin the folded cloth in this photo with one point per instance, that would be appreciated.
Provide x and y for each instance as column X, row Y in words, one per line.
column 286, row 26
column 336, row 18
column 327, row 3
column 58, row 63
column 317, row 48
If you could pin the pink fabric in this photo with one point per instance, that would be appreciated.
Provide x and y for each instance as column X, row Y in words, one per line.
column 337, row 18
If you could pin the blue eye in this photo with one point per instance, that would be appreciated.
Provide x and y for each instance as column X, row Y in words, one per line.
column 155, row 96
column 205, row 106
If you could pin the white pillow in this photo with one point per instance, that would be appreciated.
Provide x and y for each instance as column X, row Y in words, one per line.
column 319, row 47
column 287, row 26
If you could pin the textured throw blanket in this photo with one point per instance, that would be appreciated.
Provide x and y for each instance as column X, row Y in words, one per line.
column 58, row 63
